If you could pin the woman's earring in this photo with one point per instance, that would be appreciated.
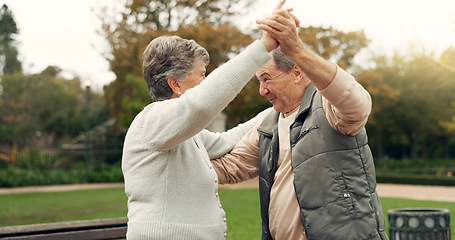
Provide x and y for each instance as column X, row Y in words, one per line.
column 179, row 93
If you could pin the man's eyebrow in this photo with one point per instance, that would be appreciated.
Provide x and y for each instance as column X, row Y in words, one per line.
column 262, row 74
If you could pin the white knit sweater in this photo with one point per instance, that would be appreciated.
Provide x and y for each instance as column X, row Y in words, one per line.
column 171, row 185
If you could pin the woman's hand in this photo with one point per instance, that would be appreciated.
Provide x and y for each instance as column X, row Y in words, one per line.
column 282, row 27
column 269, row 42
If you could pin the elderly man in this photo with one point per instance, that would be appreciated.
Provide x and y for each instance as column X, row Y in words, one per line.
column 316, row 171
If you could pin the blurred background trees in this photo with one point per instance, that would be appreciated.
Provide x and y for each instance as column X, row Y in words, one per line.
column 44, row 109
column 412, row 97
column 8, row 51
column 412, row 102
column 413, row 113
column 129, row 28
column 41, row 109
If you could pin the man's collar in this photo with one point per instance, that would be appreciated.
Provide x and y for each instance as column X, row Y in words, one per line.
column 270, row 120
column 307, row 98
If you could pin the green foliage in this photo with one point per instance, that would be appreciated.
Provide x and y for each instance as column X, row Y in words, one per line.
column 43, row 109
column 7, row 24
column 169, row 15
column 9, row 61
column 106, row 173
column 19, row 177
column 16, row 177
column 421, row 166
column 134, row 102
column 206, row 22
column 34, row 159
column 421, row 172
column 333, row 44
column 416, row 179
column 447, row 59
column 412, row 96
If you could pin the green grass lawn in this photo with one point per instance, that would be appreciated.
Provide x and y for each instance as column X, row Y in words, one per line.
column 241, row 206
column 30, row 208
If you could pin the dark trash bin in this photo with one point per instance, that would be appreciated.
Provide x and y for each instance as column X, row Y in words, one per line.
column 419, row 224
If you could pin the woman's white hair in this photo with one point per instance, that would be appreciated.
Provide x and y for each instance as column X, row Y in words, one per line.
column 170, row 56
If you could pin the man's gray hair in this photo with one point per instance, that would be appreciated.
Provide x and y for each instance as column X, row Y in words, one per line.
column 282, row 62
column 170, row 56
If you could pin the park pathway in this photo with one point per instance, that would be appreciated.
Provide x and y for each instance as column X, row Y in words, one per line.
column 419, row 192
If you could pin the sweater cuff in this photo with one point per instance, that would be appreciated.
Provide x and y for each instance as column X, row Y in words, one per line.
column 260, row 54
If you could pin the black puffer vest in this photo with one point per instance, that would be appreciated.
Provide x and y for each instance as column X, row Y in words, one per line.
column 334, row 176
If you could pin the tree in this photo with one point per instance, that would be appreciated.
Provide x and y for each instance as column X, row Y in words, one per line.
column 140, row 21
column 207, row 22
column 447, row 60
column 334, row 45
column 8, row 50
column 384, row 97
column 412, row 119
column 43, row 108
column 450, row 125
column 133, row 103
column 168, row 15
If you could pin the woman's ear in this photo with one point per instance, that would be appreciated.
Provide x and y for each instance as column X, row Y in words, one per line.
column 175, row 85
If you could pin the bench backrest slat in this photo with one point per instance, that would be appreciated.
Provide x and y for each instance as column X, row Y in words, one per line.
column 112, row 228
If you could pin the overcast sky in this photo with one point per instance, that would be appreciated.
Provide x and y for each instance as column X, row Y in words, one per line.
column 62, row 32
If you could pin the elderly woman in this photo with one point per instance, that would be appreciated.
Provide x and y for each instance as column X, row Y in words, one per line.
column 171, row 185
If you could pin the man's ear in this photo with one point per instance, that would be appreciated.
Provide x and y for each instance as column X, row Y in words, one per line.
column 299, row 75
column 175, row 85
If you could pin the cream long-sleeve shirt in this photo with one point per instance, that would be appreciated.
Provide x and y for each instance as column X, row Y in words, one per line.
column 347, row 106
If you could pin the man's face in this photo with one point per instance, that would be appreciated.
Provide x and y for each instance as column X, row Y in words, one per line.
column 280, row 88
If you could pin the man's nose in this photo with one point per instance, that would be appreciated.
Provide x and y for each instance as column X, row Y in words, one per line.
column 263, row 90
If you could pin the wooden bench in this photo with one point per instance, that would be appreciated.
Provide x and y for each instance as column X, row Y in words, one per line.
column 111, row 228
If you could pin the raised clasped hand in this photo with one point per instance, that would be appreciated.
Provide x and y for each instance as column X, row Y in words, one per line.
column 282, row 26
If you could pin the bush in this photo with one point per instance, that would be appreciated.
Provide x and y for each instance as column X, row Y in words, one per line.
column 107, row 173
column 36, row 159
column 417, row 172
column 34, row 167
column 415, row 179
column 16, row 177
